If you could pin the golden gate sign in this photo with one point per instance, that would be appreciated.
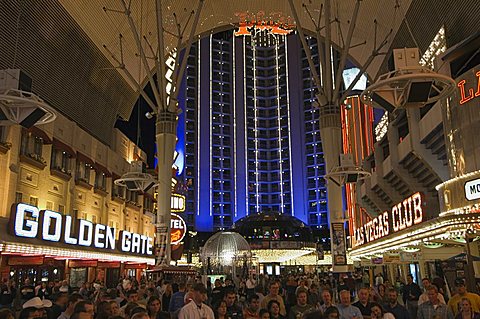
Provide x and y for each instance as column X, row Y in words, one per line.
column 402, row 216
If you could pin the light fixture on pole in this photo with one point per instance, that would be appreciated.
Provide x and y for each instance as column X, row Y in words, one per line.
column 20, row 106
column 136, row 180
column 410, row 85
column 346, row 172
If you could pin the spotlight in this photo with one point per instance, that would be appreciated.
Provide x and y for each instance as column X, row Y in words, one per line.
column 348, row 106
column 150, row 115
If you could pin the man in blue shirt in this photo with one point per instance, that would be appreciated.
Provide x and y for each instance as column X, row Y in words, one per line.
column 177, row 299
column 346, row 310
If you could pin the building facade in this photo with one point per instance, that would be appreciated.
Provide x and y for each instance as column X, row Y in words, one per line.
column 422, row 195
column 252, row 140
column 60, row 167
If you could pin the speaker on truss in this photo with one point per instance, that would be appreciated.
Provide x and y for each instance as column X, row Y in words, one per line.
column 3, row 117
column 419, row 92
column 32, row 118
column 131, row 185
column 376, row 98
column 351, row 178
column 149, row 186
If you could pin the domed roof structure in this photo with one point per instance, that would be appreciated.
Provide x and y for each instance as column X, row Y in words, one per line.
column 225, row 245
column 273, row 226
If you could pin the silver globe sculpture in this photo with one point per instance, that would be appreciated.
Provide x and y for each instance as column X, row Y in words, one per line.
column 226, row 253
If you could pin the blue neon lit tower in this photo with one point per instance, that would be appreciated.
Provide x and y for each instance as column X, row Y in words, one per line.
column 252, row 141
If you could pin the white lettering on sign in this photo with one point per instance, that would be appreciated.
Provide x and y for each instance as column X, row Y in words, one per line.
column 126, row 240
column 178, row 229
column 68, row 234
column 135, row 243
column 99, row 236
column 403, row 215
column 472, row 189
column 86, row 228
column 27, row 221
column 48, row 216
column 24, row 226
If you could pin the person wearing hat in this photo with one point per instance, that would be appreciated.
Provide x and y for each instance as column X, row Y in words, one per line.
column 27, row 291
column 35, row 308
column 455, row 301
column 197, row 309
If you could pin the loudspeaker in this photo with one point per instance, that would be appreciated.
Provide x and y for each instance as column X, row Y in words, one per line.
column 3, row 117
column 419, row 92
column 383, row 103
column 149, row 186
column 351, row 178
column 33, row 118
column 131, row 185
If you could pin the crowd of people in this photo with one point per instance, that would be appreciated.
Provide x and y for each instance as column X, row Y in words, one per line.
column 263, row 297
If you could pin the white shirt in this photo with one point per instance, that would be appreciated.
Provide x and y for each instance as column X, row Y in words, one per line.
column 192, row 311
column 424, row 298
column 388, row 315
column 250, row 284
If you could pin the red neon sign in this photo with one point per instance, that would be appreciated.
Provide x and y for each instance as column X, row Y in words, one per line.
column 464, row 97
column 275, row 23
column 246, row 28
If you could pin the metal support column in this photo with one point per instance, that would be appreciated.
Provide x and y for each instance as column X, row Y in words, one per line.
column 166, row 138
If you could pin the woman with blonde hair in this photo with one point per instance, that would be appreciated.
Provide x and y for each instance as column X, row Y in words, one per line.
column 466, row 311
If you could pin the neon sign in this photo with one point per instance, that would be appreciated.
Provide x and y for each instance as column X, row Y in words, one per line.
column 249, row 28
column 177, row 203
column 179, row 229
column 275, row 23
column 465, row 97
column 402, row 216
column 29, row 222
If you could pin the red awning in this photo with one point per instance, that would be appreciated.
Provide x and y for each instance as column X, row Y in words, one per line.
column 84, row 158
column 135, row 266
column 40, row 133
column 81, row 263
column 64, row 147
column 108, row 264
column 102, row 169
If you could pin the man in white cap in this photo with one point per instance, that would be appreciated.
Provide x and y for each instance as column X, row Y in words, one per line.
column 35, row 308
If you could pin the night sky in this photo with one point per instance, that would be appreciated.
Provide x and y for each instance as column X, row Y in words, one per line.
column 146, row 139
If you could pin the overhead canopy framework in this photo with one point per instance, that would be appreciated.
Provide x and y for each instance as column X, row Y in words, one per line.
column 104, row 21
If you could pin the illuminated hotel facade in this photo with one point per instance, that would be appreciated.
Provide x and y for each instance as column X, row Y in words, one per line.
column 62, row 171
column 252, row 141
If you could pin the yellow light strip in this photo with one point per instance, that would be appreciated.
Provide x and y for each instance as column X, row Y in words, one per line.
column 439, row 228
column 458, row 178
column 14, row 248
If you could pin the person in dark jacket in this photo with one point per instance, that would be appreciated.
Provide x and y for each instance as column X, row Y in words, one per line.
column 411, row 294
